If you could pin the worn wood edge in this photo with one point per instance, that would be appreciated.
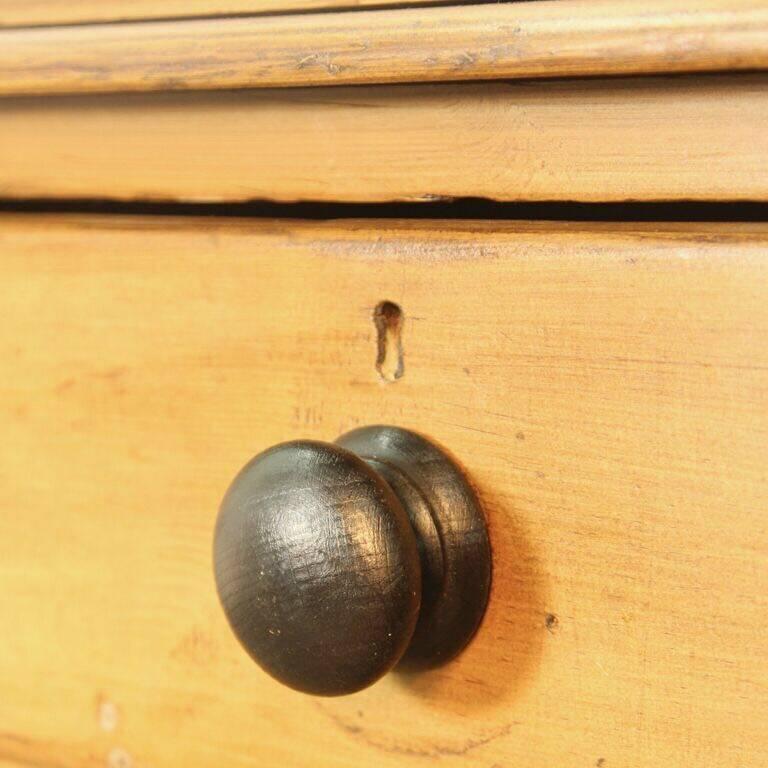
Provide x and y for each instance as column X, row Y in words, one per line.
column 361, row 229
column 501, row 41
column 50, row 12
column 610, row 140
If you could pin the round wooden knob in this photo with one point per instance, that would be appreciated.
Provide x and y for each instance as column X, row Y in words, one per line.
column 335, row 562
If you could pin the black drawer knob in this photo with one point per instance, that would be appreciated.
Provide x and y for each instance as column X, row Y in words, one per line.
column 336, row 561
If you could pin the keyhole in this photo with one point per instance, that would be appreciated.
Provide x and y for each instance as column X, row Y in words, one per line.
column 388, row 319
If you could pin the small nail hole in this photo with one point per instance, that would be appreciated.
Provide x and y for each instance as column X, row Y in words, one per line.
column 388, row 319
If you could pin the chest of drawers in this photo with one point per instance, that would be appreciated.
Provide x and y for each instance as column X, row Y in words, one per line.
column 600, row 368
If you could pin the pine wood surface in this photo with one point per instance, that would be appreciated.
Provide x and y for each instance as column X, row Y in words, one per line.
column 548, row 38
column 605, row 387
column 692, row 138
column 49, row 12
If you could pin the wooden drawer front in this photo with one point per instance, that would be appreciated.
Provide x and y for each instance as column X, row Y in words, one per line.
column 606, row 387
column 690, row 138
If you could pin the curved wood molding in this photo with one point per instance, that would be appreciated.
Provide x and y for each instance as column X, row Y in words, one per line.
column 38, row 12
column 516, row 40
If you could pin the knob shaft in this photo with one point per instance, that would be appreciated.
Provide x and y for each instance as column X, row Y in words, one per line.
column 334, row 562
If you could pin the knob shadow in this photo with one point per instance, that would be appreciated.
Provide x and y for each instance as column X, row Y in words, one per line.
column 502, row 658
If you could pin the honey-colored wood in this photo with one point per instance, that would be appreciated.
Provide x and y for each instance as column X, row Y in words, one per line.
column 24, row 12
column 498, row 41
column 605, row 386
column 602, row 140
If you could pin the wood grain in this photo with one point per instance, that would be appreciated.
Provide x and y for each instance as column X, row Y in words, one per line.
column 16, row 13
column 499, row 41
column 603, row 140
column 605, row 386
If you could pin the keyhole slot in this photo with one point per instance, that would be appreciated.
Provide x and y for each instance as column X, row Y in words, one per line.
column 388, row 319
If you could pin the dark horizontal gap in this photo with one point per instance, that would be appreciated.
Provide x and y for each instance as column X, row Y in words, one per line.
column 440, row 208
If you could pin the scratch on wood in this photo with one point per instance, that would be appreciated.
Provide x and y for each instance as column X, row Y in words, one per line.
column 325, row 61
column 465, row 60
column 436, row 751
column 305, row 61
column 107, row 714
column 119, row 758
